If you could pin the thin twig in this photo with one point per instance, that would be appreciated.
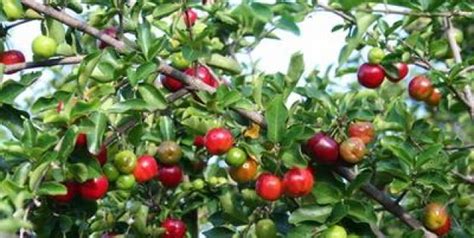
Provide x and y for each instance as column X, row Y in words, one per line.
column 467, row 179
column 465, row 147
column 17, row 24
column 46, row 63
column 418, row 14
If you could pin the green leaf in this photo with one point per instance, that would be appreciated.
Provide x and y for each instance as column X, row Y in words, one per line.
column 361, row 212
column 52, row 188
column 276, row 116
column 12, row 225
column 37, row 175
column 79, row 172
column 310, row 213
column 326, row 193
column 21, row 174
column 362, row 178
column 141, row 73
column 29, row 135
column 262, row 11
column 338, row 212
column 220, row 231
column 165, row 9
column 225, row 63
column 154, row 99
column 129, row 105
column 94, row 139
column 287, row 23
column 10, row 90
column 144, row 38
column 167, row 128
column 431, row 152
column 67, row 144
column 296, row 68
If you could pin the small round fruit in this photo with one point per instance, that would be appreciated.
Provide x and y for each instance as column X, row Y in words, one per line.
column 102, row 155
column 111, row 172
column 402, row 69
column 110, row 31
column 81, row 140
column 218, row 141
column 60, row 106
column 298, row 182
column 370, row 75
column 174, row 228
column 420, row 88
column 198, row 184
column 325, row 149
column 236, row 157
column 189, row 17
column 125, row 182
column 72, row 189
column 13, row 10
column 171, row 83
column 94, row 189
column 266, row 228
column 11, row 57
column 199, row 141
column 44, row 46
column 458, row 36
column 125, row 161
column 202, row 74
column 178, row 61
column 146, row 169
column 352, row 150
column 434, row 99
column 170, row 176
column 363, row 130
column 463, row 201
column 443, row 230
column 335, row 232
column 244, row 173
column 435, row 216
column 169, row 152
column 376, row 55
column 269, row 187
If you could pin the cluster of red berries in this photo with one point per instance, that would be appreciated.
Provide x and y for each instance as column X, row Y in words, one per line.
column 421, row 89
column 296, row 182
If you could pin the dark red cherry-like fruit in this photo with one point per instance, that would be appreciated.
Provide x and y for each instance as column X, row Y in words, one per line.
column 324, row 149
column 218, row 141
column 420, row 88
column 170, row 176
column 174, row 228
column 370, row 75
column 298, row 182
column 95, row 188
column 402, row 72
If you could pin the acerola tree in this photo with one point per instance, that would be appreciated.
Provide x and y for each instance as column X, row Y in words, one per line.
column 157, row 130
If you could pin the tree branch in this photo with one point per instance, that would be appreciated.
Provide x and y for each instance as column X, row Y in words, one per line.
column 418, row 14
column 369, row 189
column 51, row 62
column 467, row 179
column 466, row 147
column 389, row 204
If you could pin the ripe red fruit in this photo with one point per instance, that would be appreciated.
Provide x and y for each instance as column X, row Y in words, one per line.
column 420, row 88
column 298, row 182
column 95, row 188
column 324, row 149
column 146, row 169
column 72, row 189
column 171, row 83
column 402, row 72
column 102, row 155
column 362, row 130
column 434, row 98
column 189, row 17
column 174, row 228
column 218, row 141
column 199, row 141
column 81, row 140
column 11, row 57
column 203, row 74
column 370, row 75
column 269, row 187
column 436, row 219
column 170, row 176
column 112, row 32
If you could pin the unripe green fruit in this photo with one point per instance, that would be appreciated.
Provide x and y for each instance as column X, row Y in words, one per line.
column 335, row 232
column 179, row 62
column 187, row 186
column 376, row 55
column 125, row 161
column 266, row 228
column 44, row 46
column 458, row 36
column 111, row 172
column 236, row 157
column 198, row 184
column 13, row 10
column 221, row 180
column 213, row 181
column 463, row 201
column 125, row 182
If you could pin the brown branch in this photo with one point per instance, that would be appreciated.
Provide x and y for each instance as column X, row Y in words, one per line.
column 342, row 14
column 466, row 179
column 388, row 203
column 466, row 147
column 417, row 14
column 369, row 189
column 50, row 62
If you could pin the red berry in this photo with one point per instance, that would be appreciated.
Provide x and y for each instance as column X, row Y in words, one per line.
column 146, row 169
column 72, row 189
column 102, row 155
column 370, row 75
column 324, row 149
column 11, row 57
column 363, row 130
column 174, row 228
column 81, row 140
column 170, row 176
column 171, row 83
column 203, row 74
column 60, row 106
column 298, row 182
column 434, row 98
column 199, row 141
column 112, row 32
column 402, row 72
column 218, row 141
column 420, row 88
column 269, row 187
column 190, row 17
column 443, row 230
column 95, row 188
